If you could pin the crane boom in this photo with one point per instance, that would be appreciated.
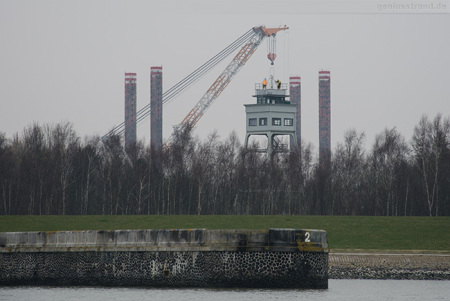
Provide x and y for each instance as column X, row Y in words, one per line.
column 186, row 82
column 252, row 40
column 259, row 33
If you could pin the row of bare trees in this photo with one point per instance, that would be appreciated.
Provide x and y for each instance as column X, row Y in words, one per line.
column 50, row 170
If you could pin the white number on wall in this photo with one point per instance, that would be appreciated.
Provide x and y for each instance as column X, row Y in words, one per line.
column 307, row 237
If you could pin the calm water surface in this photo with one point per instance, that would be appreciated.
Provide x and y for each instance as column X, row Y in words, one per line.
column 338, row 290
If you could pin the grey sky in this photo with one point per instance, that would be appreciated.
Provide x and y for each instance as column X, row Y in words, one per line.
column 65, row 61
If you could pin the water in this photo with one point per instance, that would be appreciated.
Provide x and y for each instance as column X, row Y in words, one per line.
column 338, row 290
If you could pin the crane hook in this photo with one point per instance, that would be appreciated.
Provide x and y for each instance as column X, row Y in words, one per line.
column 272, row 48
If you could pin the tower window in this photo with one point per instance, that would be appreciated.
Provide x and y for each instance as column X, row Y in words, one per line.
column 262, row 121
column 276, row 121
column 288, row 122
column 252, row 122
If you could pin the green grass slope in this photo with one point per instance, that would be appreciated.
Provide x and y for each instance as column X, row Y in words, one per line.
column 349, row 233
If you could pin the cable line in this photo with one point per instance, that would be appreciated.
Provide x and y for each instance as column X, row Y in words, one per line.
column 187, row 81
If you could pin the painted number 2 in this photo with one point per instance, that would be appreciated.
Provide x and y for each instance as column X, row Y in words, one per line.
column 307, row 237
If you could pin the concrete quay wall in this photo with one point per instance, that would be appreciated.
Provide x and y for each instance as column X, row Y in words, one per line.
column 294, row 258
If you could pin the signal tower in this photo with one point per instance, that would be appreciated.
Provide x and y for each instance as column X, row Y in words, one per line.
column 271, row 116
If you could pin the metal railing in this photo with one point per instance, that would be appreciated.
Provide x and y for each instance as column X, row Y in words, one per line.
column 269, row 90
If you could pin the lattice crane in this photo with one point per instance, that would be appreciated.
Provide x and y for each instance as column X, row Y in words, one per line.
column 259, row 33
column 250, row 41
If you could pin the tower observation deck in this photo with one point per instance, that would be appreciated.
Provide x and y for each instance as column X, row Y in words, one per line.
column 272, row 115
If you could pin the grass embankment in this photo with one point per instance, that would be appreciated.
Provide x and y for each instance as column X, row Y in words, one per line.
column 355, row 233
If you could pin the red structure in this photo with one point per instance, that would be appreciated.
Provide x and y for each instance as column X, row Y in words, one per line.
column 130, row 109
column 324, row 117
column 156, row 100
column 295, row 97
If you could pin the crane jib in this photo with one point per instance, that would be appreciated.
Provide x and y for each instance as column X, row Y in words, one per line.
column 251, row 40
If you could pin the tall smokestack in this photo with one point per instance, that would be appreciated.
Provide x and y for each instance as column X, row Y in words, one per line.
column 130, row 110
column 295, row 97
column 156, row 108
column 324, row 118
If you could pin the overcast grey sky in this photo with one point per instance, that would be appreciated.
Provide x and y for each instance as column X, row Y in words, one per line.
column 65, row 61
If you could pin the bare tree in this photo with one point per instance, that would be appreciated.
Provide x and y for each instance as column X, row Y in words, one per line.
column 111, row 169
column 33, row 171
column 430, row 140
column 348, row 167
column 389, row 153
column 178, row 162
column 47, row 170
column 226, row 194
column 299, row 172
column 62, row 141
column 8, row 174
column 90, row 166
